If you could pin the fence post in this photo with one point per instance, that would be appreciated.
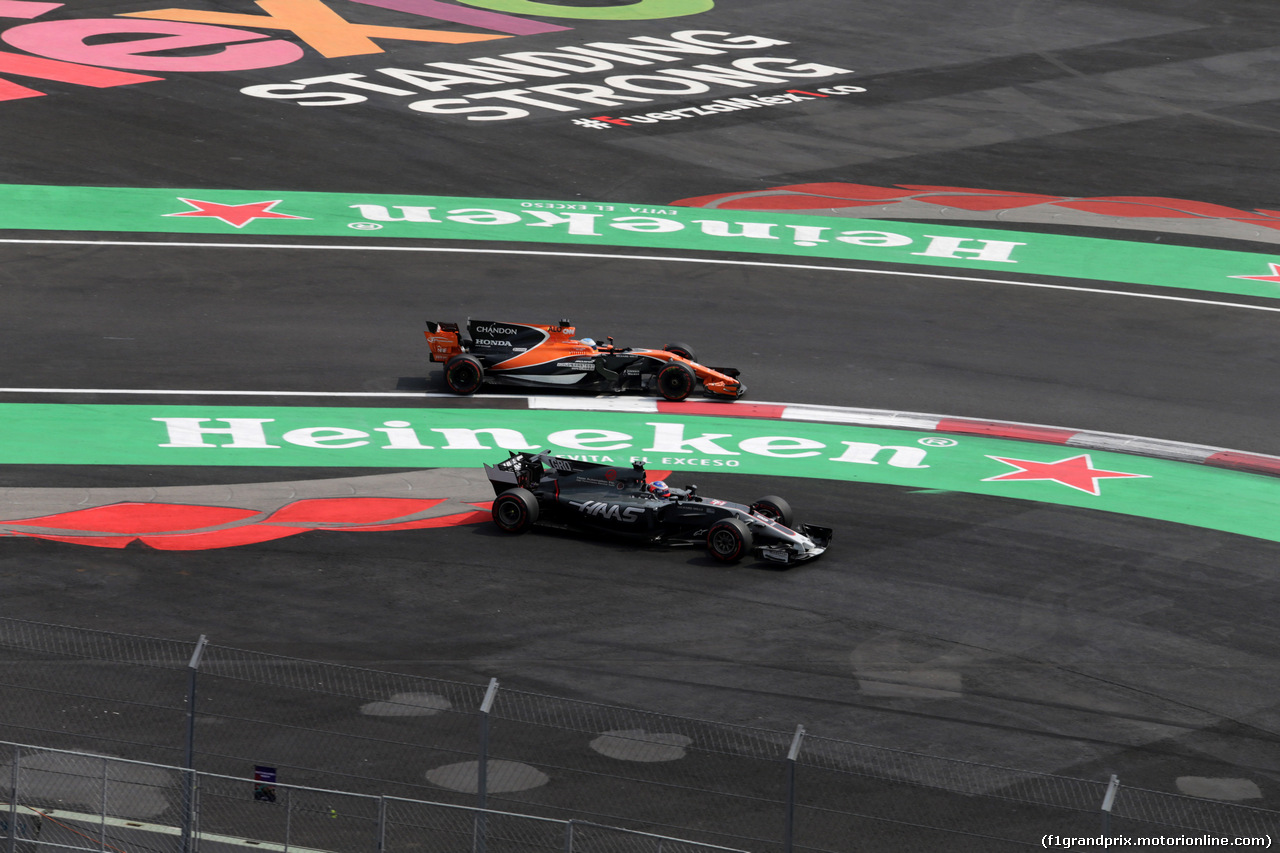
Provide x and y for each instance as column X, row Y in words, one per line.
column 788, row 839
column 102, row 827
column 568, row 837
column 13, row 806
column 482, row 767
column 1109, row 800
column 382, row 823
column 188, row 807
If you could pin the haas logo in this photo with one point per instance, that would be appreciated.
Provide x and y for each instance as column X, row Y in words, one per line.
column 602, row 510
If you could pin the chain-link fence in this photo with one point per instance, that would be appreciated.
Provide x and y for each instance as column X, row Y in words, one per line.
column 320, row 726
column 60, row 800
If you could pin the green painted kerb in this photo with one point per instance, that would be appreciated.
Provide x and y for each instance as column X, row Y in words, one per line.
column 650, row 227
column 53, row 434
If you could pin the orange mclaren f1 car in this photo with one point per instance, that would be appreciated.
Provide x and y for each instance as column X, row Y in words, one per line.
column 550, row 356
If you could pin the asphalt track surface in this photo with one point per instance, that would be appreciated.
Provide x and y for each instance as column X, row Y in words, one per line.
column 1088, row 644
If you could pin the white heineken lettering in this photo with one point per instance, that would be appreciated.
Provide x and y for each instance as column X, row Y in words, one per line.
column 468, row 439
column 669, row 438
column 244, row 432
column 952, row 247
column 670, row 443
column 587, row 224
column 401, row 436
column 481, row 216
column 874, row 238
column 863, row 453
column 326, row 438
column 781, row 446
column 646, row 224
column 756, row 230
column 378, row 213
column 808, row 235
column 582, row 224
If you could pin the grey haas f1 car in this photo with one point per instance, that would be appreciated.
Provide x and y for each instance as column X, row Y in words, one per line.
column 540, row 489
column 551, row 357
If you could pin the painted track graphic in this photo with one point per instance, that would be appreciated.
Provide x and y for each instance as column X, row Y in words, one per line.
column 1169, row 215
column 820, row 442
column 194, row 519
column 1067, row 640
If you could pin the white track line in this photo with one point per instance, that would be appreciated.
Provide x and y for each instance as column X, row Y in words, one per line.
column 663, row 258
column 191, row 393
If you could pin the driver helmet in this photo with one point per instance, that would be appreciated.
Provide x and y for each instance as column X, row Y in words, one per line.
column 591, row 342
column 659, row 489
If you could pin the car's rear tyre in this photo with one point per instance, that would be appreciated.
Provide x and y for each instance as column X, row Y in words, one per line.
column 774, row 507
column 676, row 381
column 464, row 374
column 729, row 540
column 515, row 511
column 682, row 350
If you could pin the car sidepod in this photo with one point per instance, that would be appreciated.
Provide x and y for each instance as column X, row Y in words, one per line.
column 623, row 515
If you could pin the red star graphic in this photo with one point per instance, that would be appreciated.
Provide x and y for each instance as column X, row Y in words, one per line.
column 238, row 215
column 1077, row 472
column 1274, row 277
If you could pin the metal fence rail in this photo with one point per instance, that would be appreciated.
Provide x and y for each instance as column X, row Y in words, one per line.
column 327, row 727
column 143, row 807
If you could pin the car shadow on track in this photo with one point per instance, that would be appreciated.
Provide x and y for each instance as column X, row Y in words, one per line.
column 588, row 542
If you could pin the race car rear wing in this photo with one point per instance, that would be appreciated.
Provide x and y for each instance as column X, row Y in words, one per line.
column 527, row 470
column 521, row 469
column 445, row 340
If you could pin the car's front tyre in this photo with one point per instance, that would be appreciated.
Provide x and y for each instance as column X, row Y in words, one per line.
column 515, row 511
column 774, row 507
column 676, row 381
column 682, row 350
column 729, row 540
